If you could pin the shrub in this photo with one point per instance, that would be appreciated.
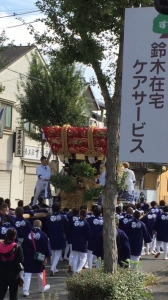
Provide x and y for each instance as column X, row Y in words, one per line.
column 126, row 284
column 64, row 182
column 83, row 170
column 92, row 193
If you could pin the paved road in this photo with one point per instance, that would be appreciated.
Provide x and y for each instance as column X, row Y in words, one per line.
column 58, row 283
column 160, row 268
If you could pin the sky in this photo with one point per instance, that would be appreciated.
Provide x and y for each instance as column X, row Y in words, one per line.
column 21, row 35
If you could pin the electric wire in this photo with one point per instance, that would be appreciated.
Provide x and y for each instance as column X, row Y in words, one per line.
column 16, row 14
column 8, row 80
column 21, row 74
column 19, row 9
column 18, row 25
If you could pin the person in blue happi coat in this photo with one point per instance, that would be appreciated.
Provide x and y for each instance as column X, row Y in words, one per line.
column 119, row 214
column 95, row 245
column 81, row 234
column 22, row 226
column 35, row 241
column 123, row 247
column 6, row 223
column 137, row 233
column 155, row 208
column 161, row 230
column 149, row 219
column 65, row 213
column 162, row 204
column 57, row 225
column 72, row 217
column 127, row 218
column 2, row 201
column 144, row 204
column 4, row 210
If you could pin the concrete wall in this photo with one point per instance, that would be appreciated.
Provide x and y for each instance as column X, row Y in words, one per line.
column 150, row 181
column 154, row 181
column 162, row 187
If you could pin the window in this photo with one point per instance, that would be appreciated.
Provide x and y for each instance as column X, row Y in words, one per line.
column 8, row 115
column 27, row 126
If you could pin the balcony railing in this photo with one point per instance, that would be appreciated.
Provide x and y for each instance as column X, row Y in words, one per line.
column 138, row 165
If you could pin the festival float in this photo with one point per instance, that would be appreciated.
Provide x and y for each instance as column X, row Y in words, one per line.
column 83, row 151
column 67, row 141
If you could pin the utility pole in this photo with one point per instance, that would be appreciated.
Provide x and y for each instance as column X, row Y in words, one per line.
column 43, row 140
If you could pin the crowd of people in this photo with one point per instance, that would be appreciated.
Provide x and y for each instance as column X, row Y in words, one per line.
column 32, row 235
column 147, row 225
column 75, row 235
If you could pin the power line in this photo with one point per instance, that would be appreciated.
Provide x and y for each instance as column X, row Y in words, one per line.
column 8, row 80
column 18, row 25
column 21, row 9
column 31, row 77
column 16, row 14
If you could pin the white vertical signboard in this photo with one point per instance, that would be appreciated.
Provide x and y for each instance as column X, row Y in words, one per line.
column 19, row 141
column 144, row 108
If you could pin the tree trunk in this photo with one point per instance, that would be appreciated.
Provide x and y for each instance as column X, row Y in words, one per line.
column 42, row 147
column 113, row 107
column 49, row 156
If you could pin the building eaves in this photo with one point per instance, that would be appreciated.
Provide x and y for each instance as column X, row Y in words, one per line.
column 10, row 54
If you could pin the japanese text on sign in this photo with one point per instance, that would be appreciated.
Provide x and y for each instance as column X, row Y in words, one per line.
column 156, row 84
column 19, row 142
column 35, row 153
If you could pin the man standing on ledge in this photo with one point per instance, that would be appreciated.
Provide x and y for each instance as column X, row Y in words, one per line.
column 130, row 180
column 42, row 187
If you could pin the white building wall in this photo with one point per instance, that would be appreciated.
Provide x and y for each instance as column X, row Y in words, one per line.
column 17, row 180
column 8, row 162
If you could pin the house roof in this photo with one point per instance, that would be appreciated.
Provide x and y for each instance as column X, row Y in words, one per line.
column 12, row 53
column 91, row 99
column 101, row 104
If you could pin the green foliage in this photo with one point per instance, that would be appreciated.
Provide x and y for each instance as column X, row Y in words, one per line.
column 2, row 88
column 69, row 183
column 64, row 182
column 87, row 22
column 83, row 170
column 32, row 134
column 86, row 31
column 92, row 193
column 3, row 61
column 125, row 284
column 3, row 39
column 121, row 183
column 52, row 95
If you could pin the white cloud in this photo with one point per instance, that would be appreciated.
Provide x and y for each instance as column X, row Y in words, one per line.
column 21, row 35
